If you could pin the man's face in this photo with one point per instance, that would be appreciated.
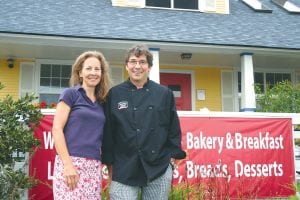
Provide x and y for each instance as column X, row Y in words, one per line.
column 138, row 69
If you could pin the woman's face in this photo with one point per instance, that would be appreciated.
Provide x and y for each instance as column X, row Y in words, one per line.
column 90, row 72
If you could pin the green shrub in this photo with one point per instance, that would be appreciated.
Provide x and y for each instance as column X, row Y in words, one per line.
column 18, row 118
column 284, row 97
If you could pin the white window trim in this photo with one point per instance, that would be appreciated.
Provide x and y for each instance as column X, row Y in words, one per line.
column 181, row 9
column 39, row 62
column 205, row 5
column 233, row 96
column 34, row 86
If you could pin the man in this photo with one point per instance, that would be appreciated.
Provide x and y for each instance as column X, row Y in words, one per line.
column 142, row 133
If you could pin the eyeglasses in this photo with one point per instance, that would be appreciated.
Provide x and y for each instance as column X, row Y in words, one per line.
column 133, row 63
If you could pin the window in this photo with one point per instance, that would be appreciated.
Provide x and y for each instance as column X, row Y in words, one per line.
column 159, row 3
column 186, row 4
column 176, row 90
column 259, row 81
column 179, row 4
column 264, row 80
column 53, row 79
column 273, row 78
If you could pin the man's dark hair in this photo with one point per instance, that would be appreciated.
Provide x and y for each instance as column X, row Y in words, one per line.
column 139, row 50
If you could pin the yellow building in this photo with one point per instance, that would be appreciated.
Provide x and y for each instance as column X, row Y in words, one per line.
column 209, row 52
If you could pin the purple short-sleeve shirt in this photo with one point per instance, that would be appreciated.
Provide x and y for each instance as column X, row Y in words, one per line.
column 84, row 128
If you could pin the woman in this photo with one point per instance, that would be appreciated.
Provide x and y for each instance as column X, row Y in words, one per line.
column 78, row 129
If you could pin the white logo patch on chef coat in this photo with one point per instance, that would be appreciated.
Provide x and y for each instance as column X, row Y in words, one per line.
column 122, row 105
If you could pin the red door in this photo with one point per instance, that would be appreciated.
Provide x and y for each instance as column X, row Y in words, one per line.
column 180, row 84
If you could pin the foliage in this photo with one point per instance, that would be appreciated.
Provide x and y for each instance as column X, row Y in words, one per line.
column 18, row 118
column 296, row 187
column 105, row 192
column 284, row 97
column 181, row 191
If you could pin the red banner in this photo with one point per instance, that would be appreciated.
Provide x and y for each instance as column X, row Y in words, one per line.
column 245, row 158
column 41, row 165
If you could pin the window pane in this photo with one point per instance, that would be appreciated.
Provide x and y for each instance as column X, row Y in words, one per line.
column 55, row 82
column 258, row 77
column 270, row 79
column 277, row 78
column 56, row 78
column 56, row 70
column 186, row 4
column 45, row 82
column 64, row 82
column 159, row 3
column 286, row 77
column 259, row 80
column 45, row 70
column 176, row 90
column 65, row 71
column 49, row 98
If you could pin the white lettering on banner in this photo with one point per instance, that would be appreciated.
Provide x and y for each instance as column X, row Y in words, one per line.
column 48, row 140
column 257, row 170
column 238, row 141
column 203, row 142
column 176, row 174
column 50, row 176
column 258, row 142
column 194, row 170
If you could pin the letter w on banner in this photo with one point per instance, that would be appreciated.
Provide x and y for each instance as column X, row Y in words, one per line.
column 239, row 157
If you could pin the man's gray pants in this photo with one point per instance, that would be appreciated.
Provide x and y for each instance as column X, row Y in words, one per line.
column 158, row 189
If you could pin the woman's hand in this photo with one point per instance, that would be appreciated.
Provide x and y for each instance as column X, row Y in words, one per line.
column 71, row 176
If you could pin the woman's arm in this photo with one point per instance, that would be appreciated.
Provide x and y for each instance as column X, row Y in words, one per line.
column 60, row 119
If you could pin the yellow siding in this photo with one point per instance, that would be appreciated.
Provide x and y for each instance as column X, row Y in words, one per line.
column 208, row 79
column 125, row 74
column 221, row 6
column 119, row 2
column 10, row 78
column 128, row 3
